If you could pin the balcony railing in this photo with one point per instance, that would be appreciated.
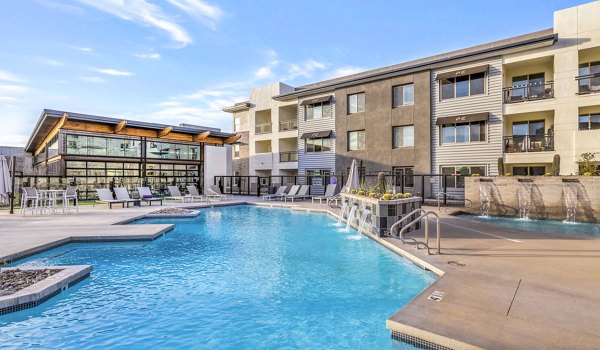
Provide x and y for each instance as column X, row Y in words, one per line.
column 287, row 125
column 529, row 92
column 264, row 128
column 288, row 157
column 588, row 84
column 532, row 143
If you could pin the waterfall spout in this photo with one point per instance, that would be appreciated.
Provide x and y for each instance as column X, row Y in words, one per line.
column 362, row 222
column 570, row 194
column 524, row 194
column 351, row 216
column 485, row 191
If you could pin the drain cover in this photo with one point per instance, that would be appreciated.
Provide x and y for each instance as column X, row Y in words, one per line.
column 436, row 295
column 456, row 263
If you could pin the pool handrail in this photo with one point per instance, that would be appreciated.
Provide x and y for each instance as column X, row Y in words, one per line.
column 424, row 215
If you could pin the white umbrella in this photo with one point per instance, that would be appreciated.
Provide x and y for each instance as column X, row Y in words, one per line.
column 352, row 177
column 4, row 181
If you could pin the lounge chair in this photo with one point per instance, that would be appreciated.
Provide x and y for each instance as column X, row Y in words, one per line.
column 278, row 194
column 105, row 196
column 175, row 194
column 329, row 194
column 123, row 195
column 213, row 191
column 292, row 192
column 147, row 196
column 193, row 191
column 301, row 195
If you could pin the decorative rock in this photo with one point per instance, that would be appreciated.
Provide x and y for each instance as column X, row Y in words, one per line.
column 171, row 211
column 13, row 280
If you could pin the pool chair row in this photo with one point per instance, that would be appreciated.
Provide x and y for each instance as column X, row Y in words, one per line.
column 301, row 192
column 105, row 196
column 211, row 193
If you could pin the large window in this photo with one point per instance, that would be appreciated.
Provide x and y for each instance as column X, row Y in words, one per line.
column 463, row 132
column 236, row 151
column 236, row 124
column 404, row 175
column 529, row 170
column 404, row 136
column 164, row 150
column 318, row 145
column 457, row 180
column 589, row 121
column 403, row 95
column 102, row 146
column 317, row 111
column 356, row 103
column 466, row 85
column 529, row 128
column 356, row 140
column 589, row 77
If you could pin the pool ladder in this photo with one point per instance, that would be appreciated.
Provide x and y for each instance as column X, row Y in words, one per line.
column 424, row 214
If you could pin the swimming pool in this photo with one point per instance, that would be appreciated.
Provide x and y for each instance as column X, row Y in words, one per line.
column 544, row 226
column 238, row 277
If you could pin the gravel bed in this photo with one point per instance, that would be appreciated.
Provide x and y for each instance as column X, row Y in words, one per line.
column 171, row 211
column 13, row 280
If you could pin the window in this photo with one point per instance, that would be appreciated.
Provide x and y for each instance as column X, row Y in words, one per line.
column 591, row 77
column 236, row 151
column 466, row 85
column 529, row 128
column 404, row 136
column 529, row 170
column 404, row 174
column 403, row 95
column 459, row 173
column 464, row 132
column 356, row 140
column 589, row 122
column 317, row 111
column 356, row 103
column 318, row 145
column 236, row 124
column 528, row 86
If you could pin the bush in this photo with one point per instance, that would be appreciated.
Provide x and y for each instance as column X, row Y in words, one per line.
column 508, row 174
column 587, row 173
column 399, row 195
column 372, row 195
column 407, row 195
column 475, row 175
column 386, row 197
column 547, row 174
column 354, row 191
column 362, row 193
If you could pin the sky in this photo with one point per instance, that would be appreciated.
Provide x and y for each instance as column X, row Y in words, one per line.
column 182, row 61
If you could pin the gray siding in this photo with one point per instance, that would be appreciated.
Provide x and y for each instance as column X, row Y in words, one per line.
column 321, row 160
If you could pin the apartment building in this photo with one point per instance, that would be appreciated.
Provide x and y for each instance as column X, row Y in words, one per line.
column 271, row 127
column 551, row 97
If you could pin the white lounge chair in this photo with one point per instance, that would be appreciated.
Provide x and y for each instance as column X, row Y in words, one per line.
column 292, row 192
column 193, row 191
column 329, row 194
column 301, row 195
column 279, row 194
column 123, row 195
column 147, row 196
column 175, row 194
column 105, row 196
column 213, row 191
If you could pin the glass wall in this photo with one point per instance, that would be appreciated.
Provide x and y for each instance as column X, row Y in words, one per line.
column 103, row 146
column 165, row 150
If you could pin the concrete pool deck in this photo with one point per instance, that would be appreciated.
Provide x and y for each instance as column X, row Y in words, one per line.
column 517, row 290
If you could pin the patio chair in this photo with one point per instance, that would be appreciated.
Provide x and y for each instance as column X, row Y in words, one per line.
column 105, row 196
column 123, row 195
column 329, row 194
column 292, row 192
column 213, row 191
column 147, row 196
column 71, row 194
column 193, row 191
column 279, row 194
column 176, row 194
column 30, row 194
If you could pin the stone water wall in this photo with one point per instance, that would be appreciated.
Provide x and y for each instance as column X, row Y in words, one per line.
column 547, row 196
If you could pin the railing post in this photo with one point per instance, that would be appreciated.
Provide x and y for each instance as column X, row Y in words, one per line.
column 445, row 183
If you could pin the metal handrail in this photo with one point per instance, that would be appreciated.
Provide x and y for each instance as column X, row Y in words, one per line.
column 424, row 214
column 470, row 202
column 529, row 92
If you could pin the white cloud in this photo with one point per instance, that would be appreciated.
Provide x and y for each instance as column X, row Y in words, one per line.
column 70, row 9
column 8, row 99
column 12, row 89
column 153, row 56
column 169, row 104
column 304, row 70
column 143, row 13
column 84, row 49
column 49, row 62
column 112, row 71
column 344, row 71
column 263, row 72
column 95, row 80
column 207, row 14
column 10, row 77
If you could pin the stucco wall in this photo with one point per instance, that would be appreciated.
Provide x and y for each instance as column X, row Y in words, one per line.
column 547, row 197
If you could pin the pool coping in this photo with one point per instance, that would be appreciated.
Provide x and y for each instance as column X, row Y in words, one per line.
column 45, row 289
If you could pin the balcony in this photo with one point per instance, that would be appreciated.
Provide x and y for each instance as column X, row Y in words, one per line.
column 285, row 157
column 288, row 125
column 263, row 128
column 588, row 84
column 533, row 143
column 529, row 92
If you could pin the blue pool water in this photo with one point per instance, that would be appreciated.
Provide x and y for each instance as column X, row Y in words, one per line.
column 232, row 278
column 544, row 226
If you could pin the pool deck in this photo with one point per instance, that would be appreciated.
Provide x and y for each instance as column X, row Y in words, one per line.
column 517, row 290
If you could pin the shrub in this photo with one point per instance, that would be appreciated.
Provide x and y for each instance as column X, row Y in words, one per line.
column 508, row 174
column 354, row 191
column 475, row 175
column 362, row 193
column 587, row 173
column 372, row 195
column 386, row 197
column 399, row 195
column 547, row 174
column 407, row 195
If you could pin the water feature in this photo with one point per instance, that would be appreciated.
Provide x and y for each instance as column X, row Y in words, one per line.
column 570, row 194
column 342, row 212
column 235, row 277
column 485, row 192
column 362, row 221
column 351, row 217
column 525, row 201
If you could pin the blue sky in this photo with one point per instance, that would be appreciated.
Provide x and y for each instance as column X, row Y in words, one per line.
column 174, row 61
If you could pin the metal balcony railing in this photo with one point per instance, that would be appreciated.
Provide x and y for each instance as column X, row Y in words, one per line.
column 263, row 128
column 287, row 125
column 529, row 92
column 588, row 84
column 532, row 143
column 288, row 157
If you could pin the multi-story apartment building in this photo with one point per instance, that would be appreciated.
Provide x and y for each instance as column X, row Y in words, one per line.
column 551, row 100
column 241, row 126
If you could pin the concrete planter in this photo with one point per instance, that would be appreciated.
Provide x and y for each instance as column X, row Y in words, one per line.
column 547, row 196
column 383, row 213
